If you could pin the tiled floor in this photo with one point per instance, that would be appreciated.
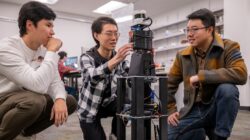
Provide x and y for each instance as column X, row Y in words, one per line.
column 241, row 129
column 72, row 131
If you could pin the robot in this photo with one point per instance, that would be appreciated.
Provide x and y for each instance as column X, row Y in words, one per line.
column 141, row 37
column 141, row 74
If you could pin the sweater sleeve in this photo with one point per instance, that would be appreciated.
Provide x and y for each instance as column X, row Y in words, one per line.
column 56, row 89
column 234, row 71
column 174, row 79
column 15, row 68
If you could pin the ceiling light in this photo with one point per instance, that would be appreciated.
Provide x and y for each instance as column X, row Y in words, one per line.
column 108, row 7
column 48, row 1
column 123, row 19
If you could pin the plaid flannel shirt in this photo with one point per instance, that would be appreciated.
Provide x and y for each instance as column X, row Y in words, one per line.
column 95, row 80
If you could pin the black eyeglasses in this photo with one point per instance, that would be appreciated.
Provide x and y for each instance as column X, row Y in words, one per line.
column 193, row 30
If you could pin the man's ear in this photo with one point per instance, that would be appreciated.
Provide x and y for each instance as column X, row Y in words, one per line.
column 96, row 36
column 211, row 29
column 29, row 25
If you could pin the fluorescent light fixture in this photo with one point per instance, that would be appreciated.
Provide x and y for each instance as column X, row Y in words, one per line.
column 48, row 1
column 123, row 19
column 108, row 7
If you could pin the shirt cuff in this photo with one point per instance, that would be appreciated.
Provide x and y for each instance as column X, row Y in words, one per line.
column 51, row 56
column 60, row 96
column 106, row 68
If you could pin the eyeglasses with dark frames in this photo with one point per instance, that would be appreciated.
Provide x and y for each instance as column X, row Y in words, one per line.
column 193, row 30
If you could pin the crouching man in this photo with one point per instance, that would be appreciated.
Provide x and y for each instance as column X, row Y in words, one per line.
column 32, row 99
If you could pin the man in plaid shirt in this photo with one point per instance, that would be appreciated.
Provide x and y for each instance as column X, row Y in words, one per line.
column 101, row 66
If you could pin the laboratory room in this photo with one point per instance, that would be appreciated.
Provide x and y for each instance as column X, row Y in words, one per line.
column 124, row 70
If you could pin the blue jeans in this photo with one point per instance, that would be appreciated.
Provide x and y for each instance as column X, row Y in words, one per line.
column 216, row 118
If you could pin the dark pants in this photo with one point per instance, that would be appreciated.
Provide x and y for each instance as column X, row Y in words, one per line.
column 27, row 113
column 94, row 130
column 215, row 120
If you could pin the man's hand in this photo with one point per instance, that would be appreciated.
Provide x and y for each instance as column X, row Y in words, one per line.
column 194, row 81
column 120, row 55
column 173, row 119
column 123, row 52
column 53, row 44
column 59, row 112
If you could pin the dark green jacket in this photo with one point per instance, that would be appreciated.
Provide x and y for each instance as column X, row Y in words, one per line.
column 223, row 64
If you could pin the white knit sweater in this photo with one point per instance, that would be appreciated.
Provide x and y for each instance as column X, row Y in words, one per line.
column 18, row 71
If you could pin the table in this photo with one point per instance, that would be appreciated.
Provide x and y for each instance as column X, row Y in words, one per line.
column 72, row 83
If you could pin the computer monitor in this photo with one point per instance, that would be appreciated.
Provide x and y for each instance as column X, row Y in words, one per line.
column 72, row 62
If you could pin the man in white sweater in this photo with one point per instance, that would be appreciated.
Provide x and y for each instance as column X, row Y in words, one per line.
column 32, row 98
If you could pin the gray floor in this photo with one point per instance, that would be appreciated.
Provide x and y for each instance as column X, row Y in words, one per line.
column 72, row 131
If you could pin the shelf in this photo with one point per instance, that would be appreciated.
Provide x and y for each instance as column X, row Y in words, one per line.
column 219, row 24
column 216, row 12
column 161, row 73
column 179, row 34
column 173, row 23
column 159, row 69
column 169, row 36
column 171, row 48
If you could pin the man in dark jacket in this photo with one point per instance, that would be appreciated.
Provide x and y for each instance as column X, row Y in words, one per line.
column 210, row 68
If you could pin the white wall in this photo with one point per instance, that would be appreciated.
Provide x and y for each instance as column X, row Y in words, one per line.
column 74, row 35
column 124, row 27
column 73, row 32
column 237, row 28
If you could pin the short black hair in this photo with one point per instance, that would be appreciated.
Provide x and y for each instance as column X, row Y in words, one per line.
column 34, row 11
column 206, row 16
column 62, row 54
column 98, row 24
